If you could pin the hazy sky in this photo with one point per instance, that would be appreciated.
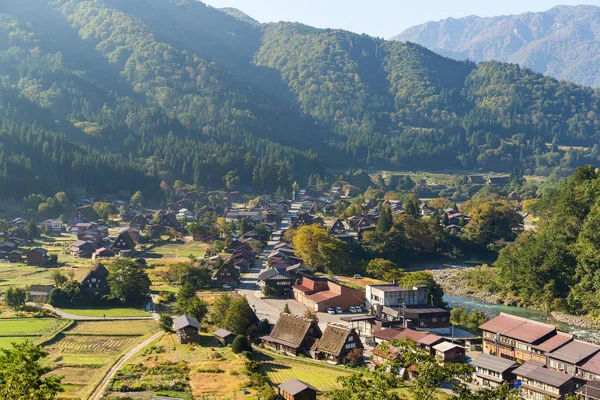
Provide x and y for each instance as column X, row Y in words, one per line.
column 383, row 18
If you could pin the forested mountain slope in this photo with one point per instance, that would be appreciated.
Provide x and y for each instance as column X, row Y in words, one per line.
column 109, row 95
column 563, row 42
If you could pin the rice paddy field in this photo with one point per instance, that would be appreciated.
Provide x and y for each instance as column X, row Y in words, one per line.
column 215, row 372
column 16, row 330
column 107, row 312
column 85, row 351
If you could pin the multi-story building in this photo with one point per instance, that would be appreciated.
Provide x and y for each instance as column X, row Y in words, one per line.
column 491, row 371
column 516, row 338
column 538, row 382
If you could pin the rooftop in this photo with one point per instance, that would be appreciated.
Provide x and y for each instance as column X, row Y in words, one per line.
column 493, row 363
column 539, row 373
column 445, row 346
column 294, row 386
column 184, row 321
column 518, row 328
column 574, row 352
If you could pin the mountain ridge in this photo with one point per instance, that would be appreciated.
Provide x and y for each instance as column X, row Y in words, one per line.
column 106, row 95
column 561, row 42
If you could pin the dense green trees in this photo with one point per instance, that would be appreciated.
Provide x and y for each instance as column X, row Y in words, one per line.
column 233, row 313
column 128, row 281
column 15, row 297
column 105, row 96
column 22, row 375
column 556, row 267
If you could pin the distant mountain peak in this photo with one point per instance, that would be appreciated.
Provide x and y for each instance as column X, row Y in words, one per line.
column 240, row 15
column 563, row 42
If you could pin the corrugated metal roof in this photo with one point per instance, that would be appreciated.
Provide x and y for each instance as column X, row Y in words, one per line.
column 493, row 363
column 539, row 373
column 518, row 328
column 574, row 352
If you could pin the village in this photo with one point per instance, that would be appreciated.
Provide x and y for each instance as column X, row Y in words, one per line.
column 294, row 310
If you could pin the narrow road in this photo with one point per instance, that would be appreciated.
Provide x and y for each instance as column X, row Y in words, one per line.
column 249, row 281
column 75, row 317
column 97, row 394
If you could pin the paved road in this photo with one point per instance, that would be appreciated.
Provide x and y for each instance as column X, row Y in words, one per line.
column 271, row 308
column 98, row 393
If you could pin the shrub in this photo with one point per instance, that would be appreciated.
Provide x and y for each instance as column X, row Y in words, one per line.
column 240, row 344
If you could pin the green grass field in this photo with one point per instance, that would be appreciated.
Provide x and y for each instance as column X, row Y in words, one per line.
column 108, row 312
column 322, row 376
column 177, row 250
column 28, row 326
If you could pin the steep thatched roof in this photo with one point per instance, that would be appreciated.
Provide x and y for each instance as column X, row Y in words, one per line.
column 290, row 330
column 333, row 339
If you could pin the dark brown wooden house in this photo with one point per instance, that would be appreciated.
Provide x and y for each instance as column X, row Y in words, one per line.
column 224, row 337
column 187, row 329
column 124, row 242
column 277, row 280
column 95, row 281
column 37, row 256
column 336, row 343
column 294, row 389
column 293, row 335
column 226, row 274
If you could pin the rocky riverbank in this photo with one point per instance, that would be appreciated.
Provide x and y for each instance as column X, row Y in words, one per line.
column 452, row 280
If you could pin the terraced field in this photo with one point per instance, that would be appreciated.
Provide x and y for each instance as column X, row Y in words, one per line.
column 86, row 351
column 35, row 329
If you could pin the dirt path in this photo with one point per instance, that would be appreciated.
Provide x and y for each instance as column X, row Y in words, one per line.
column 96, row 395
column 74, row 317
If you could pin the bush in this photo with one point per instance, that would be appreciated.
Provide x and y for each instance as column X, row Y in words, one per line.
column 240, row 344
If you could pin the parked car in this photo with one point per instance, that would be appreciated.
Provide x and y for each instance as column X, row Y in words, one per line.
column 358, row 309
column 339, row 310
column 357, row 276
column 352, row 309
column 226, row 286
column 335, row 279
column 330, row 311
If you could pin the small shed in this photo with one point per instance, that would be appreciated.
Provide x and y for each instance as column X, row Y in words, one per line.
column 41, row 292
column 37, row 256
column 294, row 389
column 224, row 336
column 450, row 352
column 187, row 329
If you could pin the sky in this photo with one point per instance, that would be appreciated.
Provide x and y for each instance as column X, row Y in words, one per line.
column 381, row 18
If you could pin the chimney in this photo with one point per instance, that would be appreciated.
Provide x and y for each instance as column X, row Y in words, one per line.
column 394, row 281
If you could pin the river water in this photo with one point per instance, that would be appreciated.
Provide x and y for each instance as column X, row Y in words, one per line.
column 492, row 310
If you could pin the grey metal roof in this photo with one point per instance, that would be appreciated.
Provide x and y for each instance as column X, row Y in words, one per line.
column 272, row 273
column 574, row 352
column 184, row 320
column 222, row 333
column 493, row 363
column 294, row 386
column 541, row 374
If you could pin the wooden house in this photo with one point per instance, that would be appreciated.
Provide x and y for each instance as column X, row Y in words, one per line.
column 278, row 280
column 187, row 329
column 82, row 249
column 226, row 274
column 293, row 335
column 491, row 371
column 15, row 256
column 224, row 337
column 336, row 343
column 589, row 391
column 450, row 352
column 39, row 292
column 85, row 214
column 294, row 389
column 95, row 281
column 37, row 256
column 124, row 242
column 336, row 226
column 538, row 382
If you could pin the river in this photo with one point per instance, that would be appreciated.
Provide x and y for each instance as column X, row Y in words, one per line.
column 492, row 310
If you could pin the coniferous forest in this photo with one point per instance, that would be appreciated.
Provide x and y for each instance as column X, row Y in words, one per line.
column 109, row 95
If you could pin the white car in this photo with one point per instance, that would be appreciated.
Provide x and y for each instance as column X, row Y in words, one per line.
column 330, row 311
column 358, row 308
column 339, row 310
column 357, row 276
column 352, row 309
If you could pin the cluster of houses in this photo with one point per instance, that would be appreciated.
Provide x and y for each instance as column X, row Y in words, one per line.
column 536, row 358
column 229, row 271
